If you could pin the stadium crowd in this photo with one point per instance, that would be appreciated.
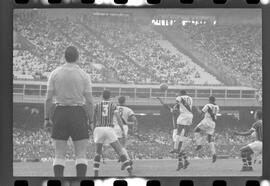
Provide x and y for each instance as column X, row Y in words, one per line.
column 110, row 50
column 238, row 47
column 36, row 145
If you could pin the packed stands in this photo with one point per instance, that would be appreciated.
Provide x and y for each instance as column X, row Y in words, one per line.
column 123, row 51
column 238, row 47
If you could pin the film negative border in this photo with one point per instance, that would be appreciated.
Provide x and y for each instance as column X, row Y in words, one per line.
column 142, row 4
column 123, row 2
column 151, row 182
column 6, row 177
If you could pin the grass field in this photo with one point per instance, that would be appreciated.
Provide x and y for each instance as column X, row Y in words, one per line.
column 151, row 168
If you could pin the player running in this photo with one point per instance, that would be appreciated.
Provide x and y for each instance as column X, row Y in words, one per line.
column 184, row 121
column 254, row 147
column 105, row 134
column 174, row 113
column 207, row 126
column 126, row 114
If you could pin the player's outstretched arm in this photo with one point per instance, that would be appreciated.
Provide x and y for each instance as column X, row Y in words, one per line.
column 135, row 123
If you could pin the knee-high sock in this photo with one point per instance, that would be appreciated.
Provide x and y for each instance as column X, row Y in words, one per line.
column 178, row 143
column 198, row 138
column 58, row 167
column 212, row 147
column 126, row 153
column 97, row 162
column 244, row 158
column 81, row 167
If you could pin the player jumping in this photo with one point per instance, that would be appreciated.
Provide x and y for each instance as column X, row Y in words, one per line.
column 184, row 121
column 125, row 114
column 254, row 147
column 207, row 126
column 173, row 113
column 105, row 134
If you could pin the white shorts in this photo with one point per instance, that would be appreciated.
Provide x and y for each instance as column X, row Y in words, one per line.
column 118, row 131
column 104, row 135
column 207, row 126
column 256, row 147
column 185, row 119
column 174, row 135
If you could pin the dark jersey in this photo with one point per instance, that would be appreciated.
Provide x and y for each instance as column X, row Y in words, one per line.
column 104, row 113
column 257, row 127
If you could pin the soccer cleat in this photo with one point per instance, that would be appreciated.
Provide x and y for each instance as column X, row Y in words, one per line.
column 198, row 147
column 126, row 165
column 186, row 164
column 174, row 151
column 214, row 158
column 180, row 166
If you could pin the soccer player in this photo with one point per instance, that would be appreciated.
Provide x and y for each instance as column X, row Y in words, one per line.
column 125, row 114
column 174, row 113
column 105, row 134
column 254, row 147
column 207, row 126
column 184, row 121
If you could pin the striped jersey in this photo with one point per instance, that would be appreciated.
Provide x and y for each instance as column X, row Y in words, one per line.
column 185, row 104
column 257, row 127
column 211, row 111
column 104, row 113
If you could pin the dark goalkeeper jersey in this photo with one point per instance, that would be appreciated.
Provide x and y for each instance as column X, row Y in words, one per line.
column 257, row 127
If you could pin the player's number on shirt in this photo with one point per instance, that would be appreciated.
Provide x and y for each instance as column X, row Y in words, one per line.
column 121, row 111
column 105, row 110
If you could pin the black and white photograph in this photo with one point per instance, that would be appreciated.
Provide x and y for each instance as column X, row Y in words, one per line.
column 139, row 92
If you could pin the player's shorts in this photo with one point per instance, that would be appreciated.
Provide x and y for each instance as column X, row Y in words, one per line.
column 174, row 135
column 118, row 131
column 256, row 147
column 104, row 135
column 69, row 121
column 183, row 131
column 207, row 126
column 185, row 119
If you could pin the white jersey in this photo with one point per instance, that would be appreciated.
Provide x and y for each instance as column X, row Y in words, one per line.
column 210, row 108
column 125, row 113
column 185, row 104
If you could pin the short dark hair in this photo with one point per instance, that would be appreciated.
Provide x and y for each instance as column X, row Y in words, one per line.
column 106, row 94
column 121, row 100
column 259, row 114
column 183, row 92
column 71, row 54
column 212, row 99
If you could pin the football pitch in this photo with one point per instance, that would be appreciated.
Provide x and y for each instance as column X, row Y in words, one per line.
column 143, row 168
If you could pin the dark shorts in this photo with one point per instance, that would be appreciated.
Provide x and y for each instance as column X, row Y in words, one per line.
column 69, row 121
column 183, row 130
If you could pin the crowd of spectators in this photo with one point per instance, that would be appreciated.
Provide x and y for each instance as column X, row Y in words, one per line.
column 123, row 50
column 36, row 145
column 238, row 46
column 141, row 44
